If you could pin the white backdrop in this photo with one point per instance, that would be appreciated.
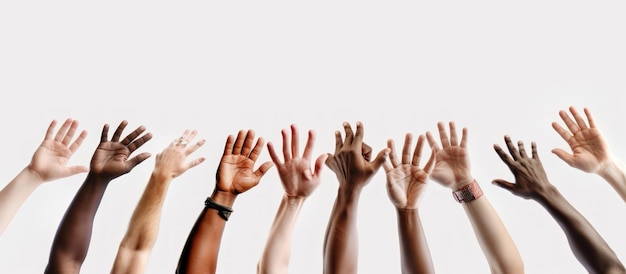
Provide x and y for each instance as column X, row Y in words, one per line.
column 400, row 66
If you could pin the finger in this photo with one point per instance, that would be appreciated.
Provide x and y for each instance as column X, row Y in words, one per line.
column 319, row 164
column 406, row 149
column 533, row 147
column 417, row 153
column 263, row 169
column 504, row 184
column 566, row 135
column 273, row 155
column 310, row 144
column 329, row 160
column 61, row 133
column 579, row 119
column 138, row 159
column 105, row 132
column 430, row 165
column 286, row 145
column 431, row 141
column 566, row 157
column 139, row 142
column 295, row 150
column 130, row 137
column 196, row 146
column 349, row 134
column 443, row 136
column 190, row 135
column 366, row 151
column 228, row 147
column 503, row 155
column 79, row 140
column 50, row 130
column 511, row 147
column 522, row 150
column 338, row 142
column 387, row 166
column 247, row 144
column 592, row 122
column 454, row 141
column 258, row 148
column 195, row 162
column 464, row 138
column 118, row 131
column 73, row 170
column 380, row 158
column 70, row 133
column 569, row 122
column 358, row 137
column 241, row 136
column 393, row 159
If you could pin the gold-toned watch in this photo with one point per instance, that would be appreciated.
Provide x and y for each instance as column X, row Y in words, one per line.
column 468, row 193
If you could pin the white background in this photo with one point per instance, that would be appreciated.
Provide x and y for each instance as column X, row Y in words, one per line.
column 398, row 66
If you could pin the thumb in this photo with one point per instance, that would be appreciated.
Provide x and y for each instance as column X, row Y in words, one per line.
column 381, row 158
column 504, row 184
column 319, row 164
column 566, row 157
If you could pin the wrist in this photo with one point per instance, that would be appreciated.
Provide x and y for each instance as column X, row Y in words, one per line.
column 294, row 199
column 33, row 176
column 547, row 194
column 223, row 197
column 462, row 182
column 609, row 169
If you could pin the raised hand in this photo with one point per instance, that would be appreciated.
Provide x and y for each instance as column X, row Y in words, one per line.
column 236, row 173
column 590, row 151
column 530, row 177
column 49, row 161
column 350, row 161
column 452, row 167
column 111, row 158
column 406, row 181
column 171, row 162
column 295, row 172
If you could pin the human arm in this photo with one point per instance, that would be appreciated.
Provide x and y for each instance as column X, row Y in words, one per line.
column 135, row 248
column 452, row 169
column 353, row 171
column 406, row 183
column 590, row 150
column 49, row 163
column 531, row 182
column 299, row 182
column 235, row 175
column 109, row 161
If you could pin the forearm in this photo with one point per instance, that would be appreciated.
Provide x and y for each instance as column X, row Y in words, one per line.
column 276, row 254
column 73, row 236
column 13, row 195
column 493, row 237
column 587, row 245
column 137, row 244
column 414, row 251
column 341, row 243
column 615, row 174
column 201, row 250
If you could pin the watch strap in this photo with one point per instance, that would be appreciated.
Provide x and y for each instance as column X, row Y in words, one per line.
column 468, row 193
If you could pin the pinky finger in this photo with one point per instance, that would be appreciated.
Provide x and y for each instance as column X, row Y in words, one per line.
column 195, row 162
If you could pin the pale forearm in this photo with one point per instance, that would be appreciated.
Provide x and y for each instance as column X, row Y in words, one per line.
column 14, row 194
column 615, row 174
column 342, row 245
column 493, row 237
column 276, row 255
column 144, row 224
column 587, row 245
column 414, row 251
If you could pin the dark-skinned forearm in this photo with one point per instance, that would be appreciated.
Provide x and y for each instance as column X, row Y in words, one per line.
column 202, row 247
column 73, row 236
column 414, row 251
column 341, row 241
column 587, row 245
